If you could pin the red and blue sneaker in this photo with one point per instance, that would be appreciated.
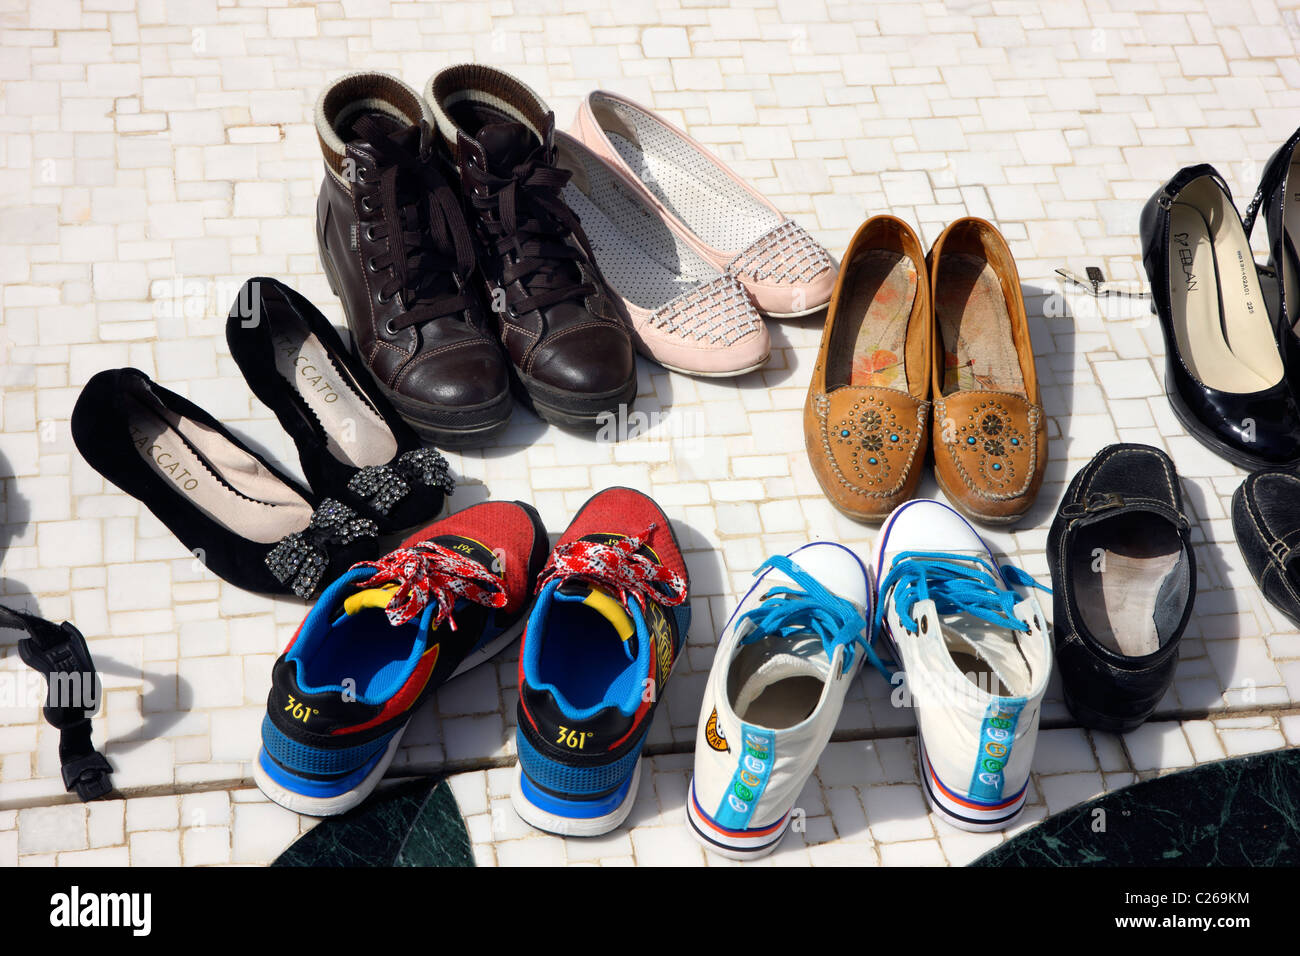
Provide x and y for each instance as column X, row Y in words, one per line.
column 383, row 637
column 608, row 625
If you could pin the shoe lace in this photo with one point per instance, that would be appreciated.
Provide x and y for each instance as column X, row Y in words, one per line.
column 618, row 567
column 527, row 222
column 428, row 572
column 430, row 251
column 958, row 584
column 786, row 612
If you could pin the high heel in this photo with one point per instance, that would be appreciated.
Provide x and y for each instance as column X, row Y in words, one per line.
column 1225, row 376
column 353, row 445
column 1278, row 199
column 241, row 517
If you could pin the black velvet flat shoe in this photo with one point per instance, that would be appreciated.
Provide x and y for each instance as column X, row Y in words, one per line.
column 1278, row 200
column 1266, row 522
column 1123, row 585
column 246, row 521
column 353, row 445
column 1225, row 376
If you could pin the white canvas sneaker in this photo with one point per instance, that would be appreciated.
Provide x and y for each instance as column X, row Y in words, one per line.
column 974, row 647
column 785, row 660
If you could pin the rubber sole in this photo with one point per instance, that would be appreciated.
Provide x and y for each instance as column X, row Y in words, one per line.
column 577, row 410
column 794, row 315
column 494, row 418
column 549, row 822
column 732, row 374
column 325, row 806
column 961, row 814
column 491, row 417
column 729, row 844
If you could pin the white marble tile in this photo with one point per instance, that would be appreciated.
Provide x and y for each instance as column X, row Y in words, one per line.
column 197, row 179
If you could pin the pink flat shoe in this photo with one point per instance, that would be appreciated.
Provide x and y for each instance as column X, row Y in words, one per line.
column 687, row 314
column 786, row 271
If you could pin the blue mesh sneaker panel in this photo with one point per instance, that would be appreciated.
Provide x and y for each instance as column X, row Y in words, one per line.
column 575, row 780
column 300, row 758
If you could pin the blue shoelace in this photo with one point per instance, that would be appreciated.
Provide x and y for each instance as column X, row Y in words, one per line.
column 958, row 584
column 810, row 609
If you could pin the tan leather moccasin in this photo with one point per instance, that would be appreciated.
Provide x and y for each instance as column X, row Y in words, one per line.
column 990, row 434
column 866, row 419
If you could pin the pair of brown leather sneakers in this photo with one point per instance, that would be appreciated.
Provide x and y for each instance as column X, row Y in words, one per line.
column 925, row 353
column 467, row 281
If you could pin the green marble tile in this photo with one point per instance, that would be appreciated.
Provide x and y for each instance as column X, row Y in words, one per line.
column 411, row 824
column 1242, row 812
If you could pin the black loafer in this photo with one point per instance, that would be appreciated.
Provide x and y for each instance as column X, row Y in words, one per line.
column 1123, row 585
column 241, row 517
column 1225, row 377
column 1266, row 521
column 353, row 445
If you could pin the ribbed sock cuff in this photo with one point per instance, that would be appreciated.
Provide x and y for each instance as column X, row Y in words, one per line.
column 478, row 83
column 355, row 92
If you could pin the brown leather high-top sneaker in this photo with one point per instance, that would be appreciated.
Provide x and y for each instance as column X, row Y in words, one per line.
column 397, row 251
column 565, row 334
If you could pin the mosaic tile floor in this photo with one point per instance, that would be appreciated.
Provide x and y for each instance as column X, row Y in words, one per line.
column 153, row 158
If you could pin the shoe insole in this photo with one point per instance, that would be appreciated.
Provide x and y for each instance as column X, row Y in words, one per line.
column 971, row 310
column 783, row 704
column 642, row 258
column 1119, row 576
column 1230, row 349
column 1289, row 267
column 871, row 321
column 700, row 194
column 778, row 681
column 354, row 432
column 223, row 481
column 979, row 673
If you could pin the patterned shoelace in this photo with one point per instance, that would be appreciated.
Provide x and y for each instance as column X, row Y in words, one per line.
column 428, row 572
column 617, row 567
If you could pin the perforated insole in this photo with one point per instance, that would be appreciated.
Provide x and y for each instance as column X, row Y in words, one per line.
column 708, row 201
column 1233, row 350
column 1291, row 228
column 972, row 314
column 247, row 499
column 1118, row 579
column 354, row 432
column 871, row 322
column 649, row 273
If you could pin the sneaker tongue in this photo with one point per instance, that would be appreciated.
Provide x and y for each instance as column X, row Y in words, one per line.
column 506, row 145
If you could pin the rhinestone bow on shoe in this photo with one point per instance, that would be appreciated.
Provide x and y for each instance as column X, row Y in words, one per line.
column 302, row 557
column 384, row 486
